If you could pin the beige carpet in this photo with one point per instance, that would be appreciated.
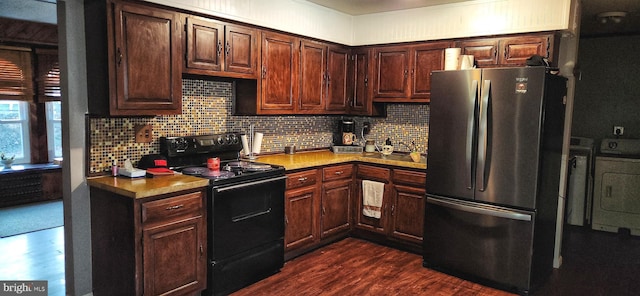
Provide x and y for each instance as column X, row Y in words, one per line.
column 32, row 217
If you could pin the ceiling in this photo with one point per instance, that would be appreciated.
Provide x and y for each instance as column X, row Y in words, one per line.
column 44, row 11
column 589, row 26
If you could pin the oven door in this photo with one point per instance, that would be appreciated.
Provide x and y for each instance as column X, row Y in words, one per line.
column 246, row 216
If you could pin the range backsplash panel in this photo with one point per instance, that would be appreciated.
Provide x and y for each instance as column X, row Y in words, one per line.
column 207, row 109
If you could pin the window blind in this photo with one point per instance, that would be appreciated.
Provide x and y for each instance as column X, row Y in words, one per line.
column 16, row 82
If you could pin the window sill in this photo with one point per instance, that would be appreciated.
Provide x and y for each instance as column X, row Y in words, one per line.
column 27, row 167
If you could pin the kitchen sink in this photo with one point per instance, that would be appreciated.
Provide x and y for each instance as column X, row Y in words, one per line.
column 393, row 156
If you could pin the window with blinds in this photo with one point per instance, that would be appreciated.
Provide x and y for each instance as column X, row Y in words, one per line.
column 16, row 82
column 48, row 79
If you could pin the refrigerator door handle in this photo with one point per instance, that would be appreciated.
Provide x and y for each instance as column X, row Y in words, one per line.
column 484, row 134
column 494, row 212
column 470, row 131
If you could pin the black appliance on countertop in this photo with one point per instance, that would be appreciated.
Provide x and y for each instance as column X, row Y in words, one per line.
column 245, row 209
column 495, row 152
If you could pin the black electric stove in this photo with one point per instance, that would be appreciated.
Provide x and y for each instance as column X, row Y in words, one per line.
column 245, row 209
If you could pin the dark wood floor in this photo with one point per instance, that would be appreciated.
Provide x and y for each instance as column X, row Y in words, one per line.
column 357, row 267
column 595, row 263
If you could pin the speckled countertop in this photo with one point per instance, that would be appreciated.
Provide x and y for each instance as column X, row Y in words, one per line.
column 146, row 187
column 301, row 160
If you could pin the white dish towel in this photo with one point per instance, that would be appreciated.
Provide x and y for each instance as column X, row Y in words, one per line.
column 372, row 193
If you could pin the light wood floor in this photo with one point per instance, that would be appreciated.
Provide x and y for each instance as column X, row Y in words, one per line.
column 357, row 267
column 38, row 255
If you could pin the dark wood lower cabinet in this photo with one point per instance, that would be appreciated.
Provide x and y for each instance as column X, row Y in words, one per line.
column 325, row 204
column 401, row 223
column 148, row 246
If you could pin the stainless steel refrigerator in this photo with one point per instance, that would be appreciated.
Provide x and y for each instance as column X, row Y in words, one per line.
column 493, row 173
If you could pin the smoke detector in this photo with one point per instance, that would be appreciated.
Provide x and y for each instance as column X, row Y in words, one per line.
column 611, row 17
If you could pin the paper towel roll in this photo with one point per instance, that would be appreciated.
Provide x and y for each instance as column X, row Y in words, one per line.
column 245, row 144
column 451, row 58
column 257, row 142
column 466, row 62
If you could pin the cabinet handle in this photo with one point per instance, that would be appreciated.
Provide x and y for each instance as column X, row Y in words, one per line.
column 366, row 81
column 405, row 73
column 324, row 211
column 328, row 80
column 264, row 72
column 286, row 220
column 392, row 208
column 302, row 179
column 201, row 250
column 608, row 191
column 174, row 207
column 119, row 57
column 227, row 48
column 219, row 48
column 339, row 172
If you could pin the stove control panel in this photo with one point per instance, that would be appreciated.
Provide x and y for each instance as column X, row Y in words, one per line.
column 202, row 144
column 620, row 146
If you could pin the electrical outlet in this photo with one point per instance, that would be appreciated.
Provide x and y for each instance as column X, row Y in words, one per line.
column 618, row 130
column 144, row 133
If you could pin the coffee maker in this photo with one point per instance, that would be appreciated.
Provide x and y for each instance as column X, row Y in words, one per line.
column 345, row 134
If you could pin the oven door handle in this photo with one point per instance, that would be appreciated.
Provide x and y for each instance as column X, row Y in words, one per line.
column 232, row 187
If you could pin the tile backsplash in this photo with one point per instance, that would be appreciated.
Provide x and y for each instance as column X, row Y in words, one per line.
column 207, row 109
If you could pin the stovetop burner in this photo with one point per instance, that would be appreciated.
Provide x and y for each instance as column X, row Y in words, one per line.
column 189, row 156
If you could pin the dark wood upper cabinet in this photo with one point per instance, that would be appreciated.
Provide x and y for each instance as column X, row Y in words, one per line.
column 337, row 79
column 313, row 76
column 391, row 72
column 134, row 64
column 221, row 49
column 510, row 51
column 279, row 77
column 403, row 73
column 360, row 96
column 424, row 59
column 484, row 51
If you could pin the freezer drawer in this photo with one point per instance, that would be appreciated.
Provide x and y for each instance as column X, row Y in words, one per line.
column 479, row 242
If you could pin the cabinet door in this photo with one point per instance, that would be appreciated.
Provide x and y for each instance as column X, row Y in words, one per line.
column 312, row 75
column 336, row 207
column 241, row 49
column 360, row 100
column 366, row 172
column 337, row 78
column 407, row 213
column 424, row 59
column 391, row 72
column 147, row 61
column 174, row 258
column 300, row 217
column 279, row 74
column 204, row 44
column 484, row 51
column 516, row 50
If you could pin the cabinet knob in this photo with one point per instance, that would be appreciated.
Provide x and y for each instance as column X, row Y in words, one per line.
column 119, row 57
column 302, row 179
column 339, row 173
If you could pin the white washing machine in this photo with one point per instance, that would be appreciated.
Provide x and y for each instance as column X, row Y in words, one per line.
column 616, row 202
column 580, row 188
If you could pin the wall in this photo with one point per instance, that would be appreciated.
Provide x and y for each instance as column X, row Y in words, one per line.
column 608, row 91
column 207, row 107
column 464, row 19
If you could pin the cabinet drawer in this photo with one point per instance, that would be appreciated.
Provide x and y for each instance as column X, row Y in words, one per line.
column 374, row 173
column 301, row 179
column 188, row 205
column 409, row 177
column 337, row 172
